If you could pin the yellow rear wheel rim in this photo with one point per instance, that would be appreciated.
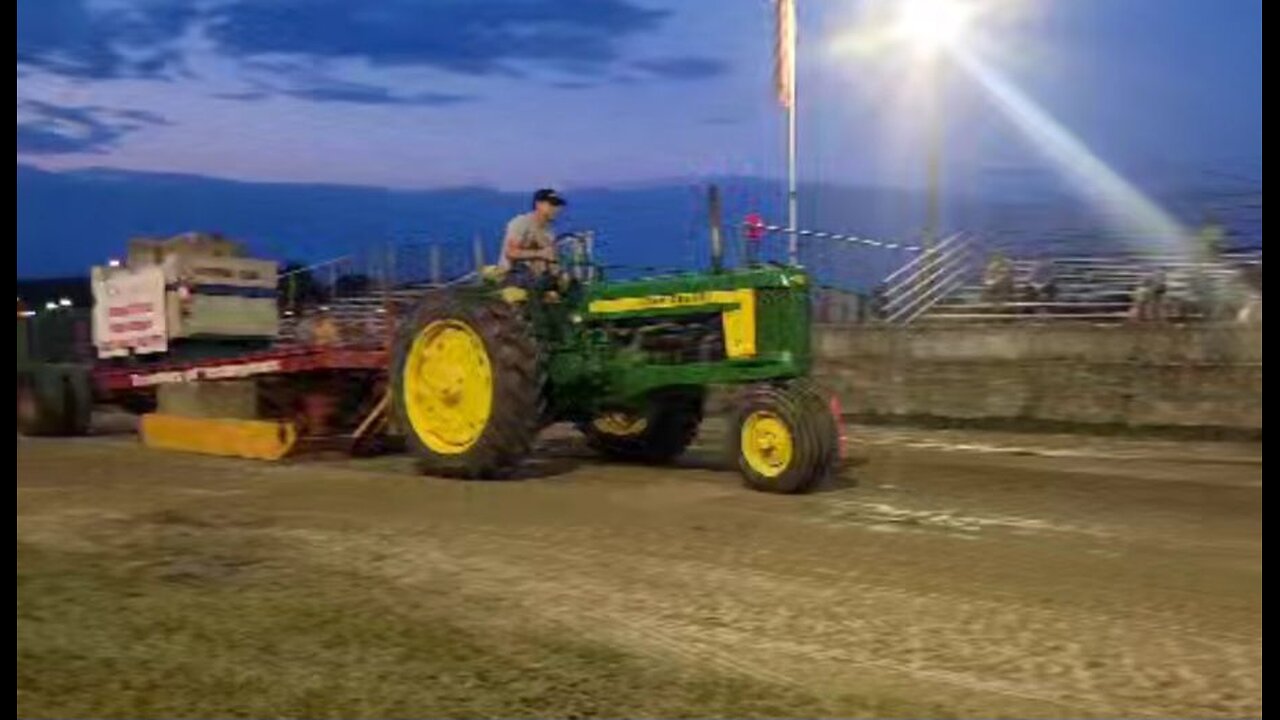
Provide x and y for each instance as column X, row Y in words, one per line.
column 448, row 386
column 767, row 444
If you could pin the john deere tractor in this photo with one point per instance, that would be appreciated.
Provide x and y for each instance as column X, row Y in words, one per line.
column 479, row 370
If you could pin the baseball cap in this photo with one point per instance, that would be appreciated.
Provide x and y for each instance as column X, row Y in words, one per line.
column 548, row 195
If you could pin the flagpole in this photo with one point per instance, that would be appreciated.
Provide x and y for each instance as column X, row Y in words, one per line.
column 793, row 201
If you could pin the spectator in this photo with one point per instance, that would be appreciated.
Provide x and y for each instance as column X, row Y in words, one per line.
column 1251, row 276
column 879, row 301
column 824, row 307
column 319, row 328
column 1251, row 312
column 997, row 281
column 1211, row 240
column 1209, row 245
column 1041, row 284
column 1149, row 297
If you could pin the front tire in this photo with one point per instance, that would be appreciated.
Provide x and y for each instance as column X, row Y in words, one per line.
column 784, row 438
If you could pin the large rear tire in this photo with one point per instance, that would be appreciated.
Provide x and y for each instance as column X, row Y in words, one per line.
column 77, row 404
column 53, row 402
column 467, row 386
column 658, row 435
column 785, row 439
column 36, row 414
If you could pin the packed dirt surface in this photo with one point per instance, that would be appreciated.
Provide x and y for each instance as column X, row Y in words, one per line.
column 943, row 573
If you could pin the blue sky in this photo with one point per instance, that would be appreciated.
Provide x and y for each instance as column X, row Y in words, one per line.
column 515, row 94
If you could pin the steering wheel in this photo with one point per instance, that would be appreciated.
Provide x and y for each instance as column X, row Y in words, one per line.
column 574, row 235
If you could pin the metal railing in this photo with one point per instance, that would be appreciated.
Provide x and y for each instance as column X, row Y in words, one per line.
column 922, row 282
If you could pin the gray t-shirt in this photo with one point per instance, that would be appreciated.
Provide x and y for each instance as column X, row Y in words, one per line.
column 529, row 235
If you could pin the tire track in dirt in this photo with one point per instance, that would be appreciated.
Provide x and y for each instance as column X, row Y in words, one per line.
column 745, row 620
column 688, row 569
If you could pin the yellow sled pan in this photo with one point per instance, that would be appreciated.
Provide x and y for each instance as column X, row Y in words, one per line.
column 256, row 439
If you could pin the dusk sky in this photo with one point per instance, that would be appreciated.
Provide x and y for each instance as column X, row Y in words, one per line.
column 515, row 94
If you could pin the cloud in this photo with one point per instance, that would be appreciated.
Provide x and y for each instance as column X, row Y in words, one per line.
column 143, row 117
column 574, row 85
column 243, row 95
column 360, row 93
column 49, row 129
column 37, row 138
column 577, row 43
column 71, row 38
column 472, row 37
column 290, row 80
column 681, row 68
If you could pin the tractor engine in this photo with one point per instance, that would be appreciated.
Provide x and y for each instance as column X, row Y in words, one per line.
column 693, row 338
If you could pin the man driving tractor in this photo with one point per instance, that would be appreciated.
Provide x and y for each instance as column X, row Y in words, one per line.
column 529, row 244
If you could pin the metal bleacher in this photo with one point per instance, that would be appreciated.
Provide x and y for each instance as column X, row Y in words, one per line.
column 1104, row 288
column 355, row 299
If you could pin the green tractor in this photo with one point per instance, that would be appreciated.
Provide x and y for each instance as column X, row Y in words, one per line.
column 479, row 370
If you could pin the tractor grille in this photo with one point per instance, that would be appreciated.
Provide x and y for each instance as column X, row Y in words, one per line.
column 696, row 337
column 782, row 321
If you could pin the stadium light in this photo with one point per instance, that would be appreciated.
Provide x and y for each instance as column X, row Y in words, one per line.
column 933, row 25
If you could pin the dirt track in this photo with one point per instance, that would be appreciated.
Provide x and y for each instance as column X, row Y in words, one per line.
column 947, row 572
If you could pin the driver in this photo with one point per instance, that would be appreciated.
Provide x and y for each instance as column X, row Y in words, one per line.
column 529, row 246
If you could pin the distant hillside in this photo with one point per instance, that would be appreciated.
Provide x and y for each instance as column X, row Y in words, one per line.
column 68, row 221
column 35, row 293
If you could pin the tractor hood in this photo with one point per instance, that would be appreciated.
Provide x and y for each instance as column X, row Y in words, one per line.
column 681, row 285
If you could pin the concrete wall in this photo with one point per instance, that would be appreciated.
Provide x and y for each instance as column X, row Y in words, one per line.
column 1202, row 376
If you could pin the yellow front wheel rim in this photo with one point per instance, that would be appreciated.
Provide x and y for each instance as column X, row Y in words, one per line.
column 620, row 424
column 448, row 386
column 767, row 444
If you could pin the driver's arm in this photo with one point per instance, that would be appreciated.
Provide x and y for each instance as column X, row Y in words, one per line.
column 548, row 253
column 543, row 250
column 514, row 251
column 512, row 247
